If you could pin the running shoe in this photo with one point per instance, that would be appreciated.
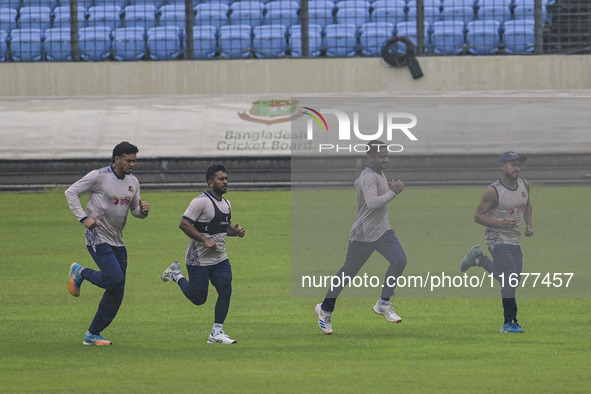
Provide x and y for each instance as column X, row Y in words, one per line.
column 387, row 310
column 469, row 259
column 74, row 279
column 220, row 338
column 511, row 328
column 168, row 273
column 95, row 340
column 324, row 319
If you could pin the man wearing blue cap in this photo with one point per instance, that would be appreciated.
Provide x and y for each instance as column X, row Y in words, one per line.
column 503, row 208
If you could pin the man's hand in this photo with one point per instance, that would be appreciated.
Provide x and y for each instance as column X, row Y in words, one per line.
column 529, row 231
column 236, row 230
column 209, row 244
column 508, row 223
column 90, row 223
column 144, row 207
column 397, row 186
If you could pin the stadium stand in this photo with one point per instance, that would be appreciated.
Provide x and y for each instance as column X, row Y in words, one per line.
column 57, row 44
column 235, row 41
column 164, row 42
column 3, row 46
column 483, row 37
column 205, row 43
column 129, row 43
column 95, row 43
column 26, row 44
column 269, row 41
column 315, row 40
column 340, row 40
column 373, row 36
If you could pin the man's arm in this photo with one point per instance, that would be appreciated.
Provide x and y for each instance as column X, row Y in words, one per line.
column 369, row 188
column 235, row 231
column 527, row 214
column 73, row 193
column 189, row 229
column 488, row 201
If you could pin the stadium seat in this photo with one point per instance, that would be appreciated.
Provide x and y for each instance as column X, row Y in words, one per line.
column 283, row 5
column 465, row 13
column 388, row 4
column 26, row 45
column 353, row 16
column 315, row 43
column 235, row 41
column 212, row 7
column 61, row 17
column 352, row 4
column 3, row 46
column 8, row 19
column 409, row 30
column 388, row 14
column 204, row 42
column 432, row 14
column 525, row 11
column 101, row 3
column 281, row 16
column 212, row 17
column 35, row 17
column 13, row 4
column 106, row 15
column 164, row 42
column 340, row 40
column 320, row 12
column 246, row 13
column 143, row 16
column 447, row 37
column 95, row 43
column 155, row 3
column 57, row 44
column 498, row 10
column 172, row 15
column 129, row 43
column 40, row 3
column 269, row 41
column 483, row 37
column 518, row 37
column 373, row 36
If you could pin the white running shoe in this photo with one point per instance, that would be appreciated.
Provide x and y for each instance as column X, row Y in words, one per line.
column 387, row 310
column 220, row 338
column 324, row 319
column 168, row 273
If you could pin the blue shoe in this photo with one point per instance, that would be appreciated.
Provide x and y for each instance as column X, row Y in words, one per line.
column 511, row 328
column 75, row 280
column 95, row 340
column 469, row 259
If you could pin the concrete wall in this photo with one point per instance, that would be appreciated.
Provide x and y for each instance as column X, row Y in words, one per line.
column 297, row 76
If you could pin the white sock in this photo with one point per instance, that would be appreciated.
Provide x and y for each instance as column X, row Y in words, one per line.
column 477, row 261
column 217, row 328
column 177, row 275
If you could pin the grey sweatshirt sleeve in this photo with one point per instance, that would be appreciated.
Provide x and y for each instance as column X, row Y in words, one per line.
column 73, row 193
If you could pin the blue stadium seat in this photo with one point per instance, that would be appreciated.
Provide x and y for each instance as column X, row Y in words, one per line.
column 100, row 3
column 95, row 43
column 352, row 4
column 388, row 4
column 340, row 40
column 447, row 37
column 105, row 15
column 464, row 13
column 353, row 16
column 518, row 37
column 8, row 19
column 172, row 15
column 315, row 42
column 40, row 3
column 269, row 41
column 235, row 41
column 35, row 17
column 247, row 13
column 498, row 10
column 283, row 5
column 373, row 36
column 14, row 4
column 212, row 7
column 388, row 14
column 281, row 16
column 3, row 46
column 409, row 30
column 26, row 45
column 527, row 11
column 129, row 43
column 205, row 43
column 432, row 14
column 483, row 37
column 57, row 44
column 212, row 17
column 155, row 3
column 320, row 12
column 61, row 17
column 143, row 16
column 164, row 42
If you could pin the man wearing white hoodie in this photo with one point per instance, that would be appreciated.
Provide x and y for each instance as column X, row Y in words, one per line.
column 370, row 232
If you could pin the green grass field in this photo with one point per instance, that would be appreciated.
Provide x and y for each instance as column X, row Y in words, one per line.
column 443, row 344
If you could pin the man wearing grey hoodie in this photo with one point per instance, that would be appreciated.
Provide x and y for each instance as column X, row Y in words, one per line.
column 370, row 232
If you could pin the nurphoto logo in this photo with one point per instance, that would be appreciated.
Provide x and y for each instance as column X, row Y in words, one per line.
column 392, row 124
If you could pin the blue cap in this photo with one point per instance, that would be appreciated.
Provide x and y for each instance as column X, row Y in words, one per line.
column 508, row 156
